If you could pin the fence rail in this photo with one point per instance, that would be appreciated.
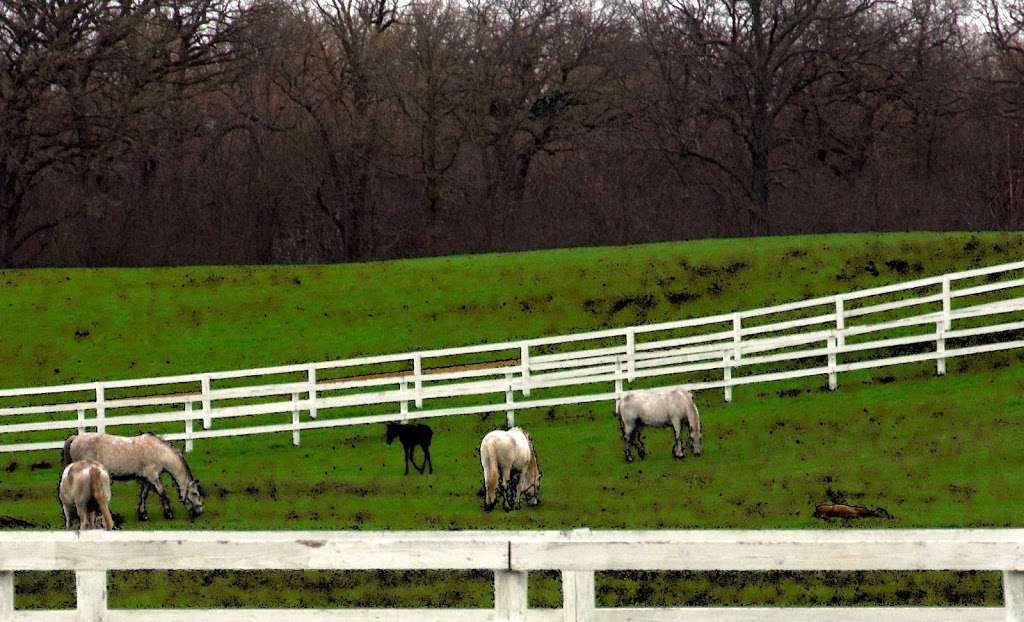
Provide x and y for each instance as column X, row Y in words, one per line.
column 831, row 335
column 511, row 555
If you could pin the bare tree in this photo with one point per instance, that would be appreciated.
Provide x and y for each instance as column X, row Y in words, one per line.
column 76, row 76
column 346, row 107
column 429, row 84
column 535, row 80
column 1006, row 31
column 750, row 61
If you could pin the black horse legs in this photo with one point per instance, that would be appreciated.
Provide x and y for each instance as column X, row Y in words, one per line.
column 143, row 493
column 427, row 460
column 409, row 451
column 512, row 492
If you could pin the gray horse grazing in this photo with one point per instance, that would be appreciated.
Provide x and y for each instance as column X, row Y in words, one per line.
column 84, row 491
column 145, row 458
column 510, row 468
column 658, row 409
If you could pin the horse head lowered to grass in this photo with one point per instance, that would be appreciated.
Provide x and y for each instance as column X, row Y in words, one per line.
column 510, row 469
column 145, row 458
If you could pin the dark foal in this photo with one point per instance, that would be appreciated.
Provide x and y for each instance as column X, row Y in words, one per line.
column 412, row 435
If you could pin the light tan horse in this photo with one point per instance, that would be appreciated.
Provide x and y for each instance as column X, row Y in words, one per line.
column 145, row 458
column 510, row 468
column 84, row 491
column 658, row 409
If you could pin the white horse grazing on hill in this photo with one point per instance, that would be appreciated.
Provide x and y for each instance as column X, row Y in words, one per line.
column 510, row 468
column 84, row 491
column 145, row 458
column 658, row 409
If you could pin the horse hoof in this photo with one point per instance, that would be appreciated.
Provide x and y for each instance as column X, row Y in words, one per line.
column 143, row 517
column 168, row 515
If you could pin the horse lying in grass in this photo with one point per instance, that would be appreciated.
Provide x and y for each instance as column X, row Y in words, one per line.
column 510, row 469
column 144, row 458
column 9, row 521
column 84, row 492
column 412, row 435
column 658, row 409
column 841, row 510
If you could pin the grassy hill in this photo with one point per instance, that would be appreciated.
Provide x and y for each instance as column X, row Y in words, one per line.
column 67, row 325
column 935, row 452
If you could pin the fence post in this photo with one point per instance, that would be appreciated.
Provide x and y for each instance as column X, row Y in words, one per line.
column 1013, row 595
column 630, row 355
column 946, row 301
column 840, row 327
column 101, row 409
column 945, row 324
column 940, row 347
column 188, row 426
column 727, row 375
column 417, row 372
column 404, row 404
column 295, row 419
column 205, row 380
column 832, row 383
column 312, row 392
column 91, row 589
column 737, row 335
column 81, row 421
column 510, row 415
column 510, row 601
column 618, row 376
column 524, row 359
column 577, row 595
column 6, row 594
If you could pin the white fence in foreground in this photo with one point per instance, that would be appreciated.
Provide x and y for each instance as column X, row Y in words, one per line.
column 511, row 555
column 823, row 337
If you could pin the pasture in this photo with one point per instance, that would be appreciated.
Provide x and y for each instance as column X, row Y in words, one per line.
column 935, row 452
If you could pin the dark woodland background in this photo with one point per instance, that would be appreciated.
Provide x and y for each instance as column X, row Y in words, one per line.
column 141, row 132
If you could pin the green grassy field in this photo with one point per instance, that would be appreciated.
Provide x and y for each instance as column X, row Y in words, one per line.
column 935, row 452
column 68, row 325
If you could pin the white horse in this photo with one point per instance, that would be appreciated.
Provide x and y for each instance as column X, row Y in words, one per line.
column 658, row 409
column 84, row 491
column 510, row 468
column 145, row 458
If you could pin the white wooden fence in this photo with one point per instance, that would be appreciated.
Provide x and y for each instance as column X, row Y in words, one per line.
column 511, row 555
column 821, row 337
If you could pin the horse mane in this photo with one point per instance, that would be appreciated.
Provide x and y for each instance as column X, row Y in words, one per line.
column 533, row 452
column 177, row 453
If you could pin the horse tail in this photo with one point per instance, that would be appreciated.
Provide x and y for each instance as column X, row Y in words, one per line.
column 65, row 454
column 696, row 413
column 489, row 463
column 620, row 403
column 101, row 493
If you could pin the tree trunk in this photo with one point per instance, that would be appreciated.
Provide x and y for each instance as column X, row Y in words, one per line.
column 760, row 187
column 6, row 247
column 10, row 209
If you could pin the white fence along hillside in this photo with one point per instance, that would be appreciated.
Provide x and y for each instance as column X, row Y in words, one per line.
column 935, row 318
column 511, row 555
